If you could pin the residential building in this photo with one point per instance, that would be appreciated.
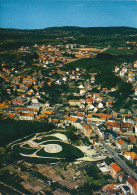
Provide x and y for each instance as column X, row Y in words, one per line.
column 132, row 184
column 121, row 145
column 115, row 170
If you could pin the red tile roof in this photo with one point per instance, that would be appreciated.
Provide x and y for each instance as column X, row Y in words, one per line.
column 132, row 183
column 132, row 139
column 120, row 141
column 12, row 115
column 111, row 188
column 115, row 167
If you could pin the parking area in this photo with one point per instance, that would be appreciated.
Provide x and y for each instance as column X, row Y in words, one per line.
column 91, row 154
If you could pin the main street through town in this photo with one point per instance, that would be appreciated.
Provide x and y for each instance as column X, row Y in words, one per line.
column 116, row 157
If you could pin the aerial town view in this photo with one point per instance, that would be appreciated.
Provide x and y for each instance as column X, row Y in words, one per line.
column 68, row 97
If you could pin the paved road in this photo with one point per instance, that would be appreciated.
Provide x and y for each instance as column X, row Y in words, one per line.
column 104, row 49
column 116, row 157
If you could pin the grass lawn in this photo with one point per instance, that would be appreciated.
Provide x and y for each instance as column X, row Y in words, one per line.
column 68, row 151
column 26, row 146
column 45, row 139
column 17, row 149
column 85, row 141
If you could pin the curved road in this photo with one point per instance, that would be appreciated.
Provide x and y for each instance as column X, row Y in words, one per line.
column 116, row 157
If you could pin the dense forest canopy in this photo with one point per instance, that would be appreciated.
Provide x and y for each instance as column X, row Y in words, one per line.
column 11, row 130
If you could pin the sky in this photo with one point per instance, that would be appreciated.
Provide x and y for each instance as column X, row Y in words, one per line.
column 39, row 14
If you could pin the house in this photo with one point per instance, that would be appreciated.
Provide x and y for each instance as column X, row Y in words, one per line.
column 27, row 110
column 104, row 168
column 101, row 130
column 98, row 117
column 97, row 98
column 87, row 130
column 92, row 117
column 12, row 115
column 30, row 92
column 131, row 73
column 132, row 184
column 114, row 125
column 126, row 154
column 64, row 79
column 124, row 69
column 41, row 116
column 9, row 91
column 18, row 102
column 116, row 69
column 34, row 100
column 82, row 91
column 48, row 112
column 129, row 130
column 100, row 105
column 130, row 146
column 109, row 104
column 115, row 170
column 78, row 124
column 133, row 157
column 128, row 119
column 81, row 86
column 133, row 139
column 3, row 106
column 80, row 115
column 113, row 136
column 122, row 177
column 135, row 92
column 135, row 64
column 127, row 127
column 111, row 189
column 121, row 145
column 75, row 102
column 122, row 73
column 29, row 80
column 131, row 78
column 16, row 79
column 26, row 116
column 70, row 120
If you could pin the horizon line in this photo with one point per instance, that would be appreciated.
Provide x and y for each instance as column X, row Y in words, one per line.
column 66, row 26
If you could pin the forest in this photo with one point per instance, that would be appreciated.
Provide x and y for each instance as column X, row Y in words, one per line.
column 11, row 130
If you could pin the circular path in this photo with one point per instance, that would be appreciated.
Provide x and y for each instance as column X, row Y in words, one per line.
column 52, row 148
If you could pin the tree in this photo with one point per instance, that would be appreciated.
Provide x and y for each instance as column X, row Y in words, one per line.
column 70, row 133
column 35, row 55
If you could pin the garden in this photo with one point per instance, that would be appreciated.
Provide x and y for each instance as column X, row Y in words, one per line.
column 42, row 148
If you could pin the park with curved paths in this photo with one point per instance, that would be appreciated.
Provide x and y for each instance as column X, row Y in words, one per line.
column 42, row 148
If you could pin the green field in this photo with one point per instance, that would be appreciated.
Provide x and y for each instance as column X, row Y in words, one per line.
column 17, row 149
column 68, row 151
